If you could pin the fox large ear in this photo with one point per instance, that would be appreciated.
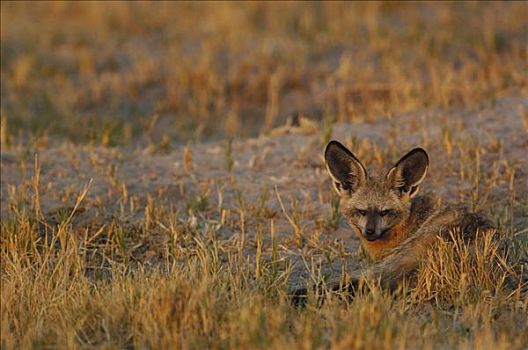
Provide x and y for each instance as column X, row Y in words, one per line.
column 346, row 170
column 409, row 172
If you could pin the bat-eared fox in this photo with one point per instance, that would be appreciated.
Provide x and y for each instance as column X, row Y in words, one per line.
column 396, row 225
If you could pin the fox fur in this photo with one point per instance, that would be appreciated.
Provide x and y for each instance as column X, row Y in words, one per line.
column 395, row 225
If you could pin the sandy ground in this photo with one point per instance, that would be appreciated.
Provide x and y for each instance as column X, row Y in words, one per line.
column 288, row 160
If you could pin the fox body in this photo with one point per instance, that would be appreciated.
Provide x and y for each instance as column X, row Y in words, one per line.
column 396, row 226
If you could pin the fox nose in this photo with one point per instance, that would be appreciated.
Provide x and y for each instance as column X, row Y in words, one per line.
column 370, row 234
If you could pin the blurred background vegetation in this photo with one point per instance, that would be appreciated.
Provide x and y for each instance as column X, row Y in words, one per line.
column 164, row 72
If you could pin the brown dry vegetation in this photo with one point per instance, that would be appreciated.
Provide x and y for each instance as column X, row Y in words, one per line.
column 94, row 73
column 115, row 234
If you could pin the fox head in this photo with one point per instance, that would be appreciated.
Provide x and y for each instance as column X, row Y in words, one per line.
column 374, row 206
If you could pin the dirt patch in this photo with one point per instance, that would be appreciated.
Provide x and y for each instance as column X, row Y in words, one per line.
column 477, row 156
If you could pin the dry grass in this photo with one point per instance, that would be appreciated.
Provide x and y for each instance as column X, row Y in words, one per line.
column 115, row 73
column 152, row 244
column 208, row 295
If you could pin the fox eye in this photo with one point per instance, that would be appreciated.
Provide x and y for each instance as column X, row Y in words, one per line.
column 362, row 212
column 385, row 212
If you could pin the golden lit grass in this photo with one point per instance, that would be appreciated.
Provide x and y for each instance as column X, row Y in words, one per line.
column 67, row 285
column 48, row 301
column 207, row 294
column 459, row 272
